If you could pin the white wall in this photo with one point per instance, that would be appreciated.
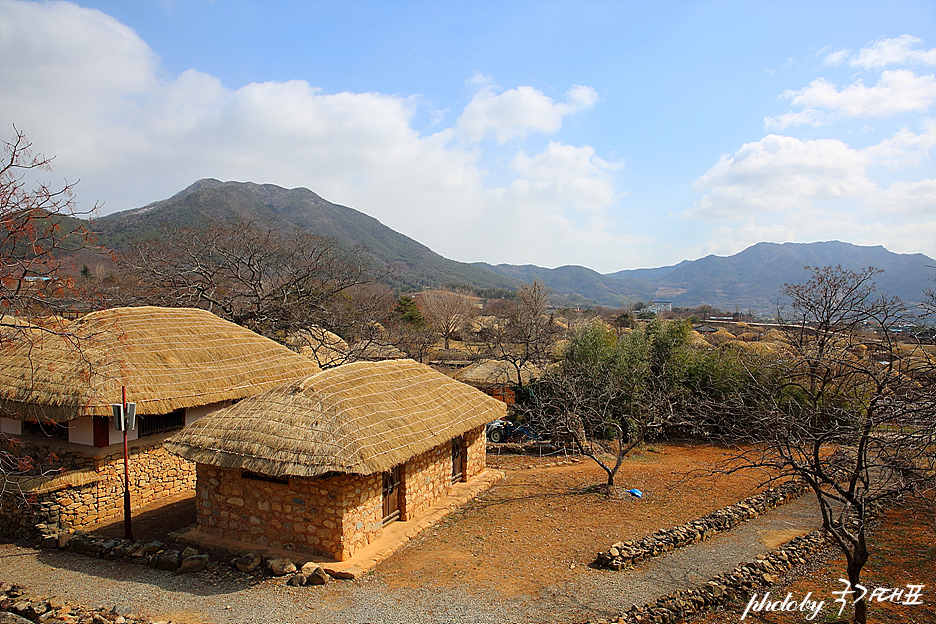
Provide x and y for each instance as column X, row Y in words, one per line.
column 13, row 427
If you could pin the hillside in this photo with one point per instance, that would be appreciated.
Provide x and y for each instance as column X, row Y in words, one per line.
column 211, row 200
column 750, row 279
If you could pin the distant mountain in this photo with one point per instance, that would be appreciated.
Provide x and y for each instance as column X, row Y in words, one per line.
column 211, row 200
column 754, row 277
column 751, row 279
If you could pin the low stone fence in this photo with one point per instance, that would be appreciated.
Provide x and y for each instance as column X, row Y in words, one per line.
column 153, row 554
column 727, row 588
column 16, row 600
column 623, row 555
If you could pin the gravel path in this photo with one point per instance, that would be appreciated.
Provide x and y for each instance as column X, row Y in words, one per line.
column 196, row 599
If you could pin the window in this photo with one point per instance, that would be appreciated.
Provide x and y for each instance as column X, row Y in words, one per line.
column 157, row 423
column 47, row 429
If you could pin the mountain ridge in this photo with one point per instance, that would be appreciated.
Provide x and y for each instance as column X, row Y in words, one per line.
column 751, row 278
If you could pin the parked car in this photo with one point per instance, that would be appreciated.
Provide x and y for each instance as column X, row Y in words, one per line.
column 501, row 430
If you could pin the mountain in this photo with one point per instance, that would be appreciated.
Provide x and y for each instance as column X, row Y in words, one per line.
column 212, row 200
column 750, row 279
column 754, row 277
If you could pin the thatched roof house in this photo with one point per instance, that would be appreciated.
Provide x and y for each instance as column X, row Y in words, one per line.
column 490, row 373
column 177, row 365
column 360, row 445
column 167, row 358
column 495, row 377
column 358, row 418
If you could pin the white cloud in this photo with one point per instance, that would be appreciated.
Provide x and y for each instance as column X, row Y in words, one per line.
column 837, row 58
column 897, row 91
column 87, row 88
column 895, row 51
column 780, row 173
column 809, row 117
column 905, row 148
column 514, row 113
column 906, row 198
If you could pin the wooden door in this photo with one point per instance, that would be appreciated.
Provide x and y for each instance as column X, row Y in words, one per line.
column 391, row 494
column 458, row 459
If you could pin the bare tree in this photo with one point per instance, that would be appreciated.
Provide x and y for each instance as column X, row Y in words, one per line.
column 252, row 275
column 525, row 333
column 613, row 388
column 447, row 311
column 37, row 226
column 849, row 416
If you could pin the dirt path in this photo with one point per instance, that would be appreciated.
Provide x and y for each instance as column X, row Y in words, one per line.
column 519, row 553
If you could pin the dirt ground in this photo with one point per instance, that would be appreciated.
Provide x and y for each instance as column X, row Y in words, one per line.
column 543, row 524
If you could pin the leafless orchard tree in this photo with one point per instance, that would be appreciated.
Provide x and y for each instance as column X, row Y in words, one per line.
column 447, row 311
column 524, row 333
column 252, row 275
column 37, row 226
column 851, row 417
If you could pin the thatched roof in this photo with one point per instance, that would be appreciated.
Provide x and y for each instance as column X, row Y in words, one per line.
column 490, row 373
column 375, row 351
column 168, row 358
column 359, row 418
column 319, row 345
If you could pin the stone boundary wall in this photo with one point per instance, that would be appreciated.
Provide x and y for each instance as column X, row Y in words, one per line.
column 623, row 555
column 154, row 474
column 727, row 588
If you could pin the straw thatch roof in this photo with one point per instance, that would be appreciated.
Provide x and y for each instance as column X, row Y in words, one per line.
column 359, row 418
column 375, row 351
column 319, row 345
column 490, row 373
column 168, row 358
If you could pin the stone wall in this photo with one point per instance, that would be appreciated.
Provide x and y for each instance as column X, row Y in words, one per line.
column 623, row 555
column 428, row 477
column 76, row 489
column 477, row 452
column 331, row 516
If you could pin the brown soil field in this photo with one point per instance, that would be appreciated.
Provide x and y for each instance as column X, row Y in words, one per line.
column 544, row 523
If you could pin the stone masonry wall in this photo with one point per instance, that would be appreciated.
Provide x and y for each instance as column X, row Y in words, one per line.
column 477, row 452
column 154, row 474
column 428, row 476
column 331, row 516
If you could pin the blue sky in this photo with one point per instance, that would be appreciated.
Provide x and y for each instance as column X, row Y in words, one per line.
column 608, row 134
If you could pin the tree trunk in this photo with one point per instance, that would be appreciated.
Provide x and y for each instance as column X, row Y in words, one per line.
column 854, row 577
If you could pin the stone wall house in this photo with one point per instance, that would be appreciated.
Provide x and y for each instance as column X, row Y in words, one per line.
column 321, row 465
column 56, row 390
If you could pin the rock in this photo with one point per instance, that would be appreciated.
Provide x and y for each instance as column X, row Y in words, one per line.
column 297, row 580
column 281, row 566
column 151, row 547
column 12, row 618
column 247, row 563
column 169, row 561
column 350, row 573
column 318, row 577
column 189, row 552
column 193, row 563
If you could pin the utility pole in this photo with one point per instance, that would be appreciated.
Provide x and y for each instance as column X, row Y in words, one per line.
column 125, row 420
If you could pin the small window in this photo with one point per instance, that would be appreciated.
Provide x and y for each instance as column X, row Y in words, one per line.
column 157, row 423
column 256, row 476
column 47, row 429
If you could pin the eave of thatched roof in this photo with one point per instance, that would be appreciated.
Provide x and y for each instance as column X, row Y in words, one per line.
column 490, row 373
column 167, row 358
column 359, row 418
